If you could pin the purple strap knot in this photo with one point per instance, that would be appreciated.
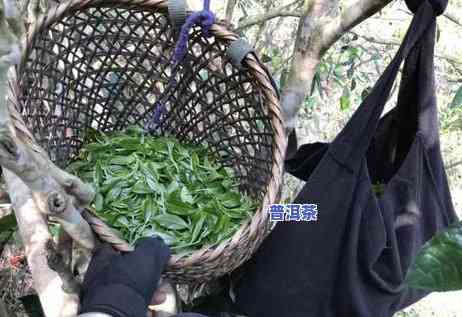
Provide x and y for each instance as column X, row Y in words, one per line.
column 204, row 18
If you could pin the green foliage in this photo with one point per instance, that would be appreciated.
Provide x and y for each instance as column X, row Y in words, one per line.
column 310, row 102
column 54, row 229
column 8, row 225
column 345, row 101
column 341, row 69
column 438, row 266
column 451, row 118
column 148, row 186
column 378, row 189
column 457, row 101
column 366, row 92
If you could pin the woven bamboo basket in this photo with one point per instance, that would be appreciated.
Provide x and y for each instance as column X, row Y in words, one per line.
column 102, row 64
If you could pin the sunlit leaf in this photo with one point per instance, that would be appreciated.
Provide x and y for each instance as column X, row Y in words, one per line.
column 457, row 101
column 345, row 101
column 171, row 222
column 8, row 223
column 438, row 266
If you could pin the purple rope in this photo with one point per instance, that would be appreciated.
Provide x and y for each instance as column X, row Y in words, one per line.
column 205, row 19
column 155, row 119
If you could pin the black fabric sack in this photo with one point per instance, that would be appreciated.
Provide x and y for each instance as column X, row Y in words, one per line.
column 353, row 260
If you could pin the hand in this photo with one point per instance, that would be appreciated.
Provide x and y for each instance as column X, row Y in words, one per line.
column 122, row 285
column 165, row 301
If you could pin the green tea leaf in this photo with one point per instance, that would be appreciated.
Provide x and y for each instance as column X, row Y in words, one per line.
column 186, row 195
column 141, row 187
column 173, row 186
column 457, row 101
column 99, row 200
column 109, row 183
column 149, row 209
column 438, row 265
column 156, row 185
column 97, row 175
column 172, row 222
column 123, row 221
column 198, row 228
column 231, row 199
column 114, row 193
column 8, row 223
column 195, row 160
column 177, row 206
column 216, row 188
column 121, row 160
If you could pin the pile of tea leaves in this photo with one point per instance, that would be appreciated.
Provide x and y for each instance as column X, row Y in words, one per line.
column 158, row 186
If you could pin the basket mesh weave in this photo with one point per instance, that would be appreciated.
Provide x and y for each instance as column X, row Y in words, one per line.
column 102, row 65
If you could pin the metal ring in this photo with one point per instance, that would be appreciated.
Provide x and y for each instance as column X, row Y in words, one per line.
column 177, row 13
column 238, row 50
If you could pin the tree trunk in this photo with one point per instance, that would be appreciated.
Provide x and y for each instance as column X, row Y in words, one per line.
column 3, row 310
column 308, row 51
column 229, row 11
column 35, row 235
column 320, row 26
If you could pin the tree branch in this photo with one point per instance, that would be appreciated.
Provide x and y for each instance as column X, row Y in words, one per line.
column 453, row 18
column 350, row 17
column 453, row 165
column 450, row 59
column 57, row 263
column 36, row 186
column 307, row 55
column 54, row 191
column 377, row 40
column 261, row 27
column 261, row 18
column 34, row 233
column 4, row 310
column 64, row 247
column 381, row 41
column 33, row 11
column 321, row 25
column 229, row 11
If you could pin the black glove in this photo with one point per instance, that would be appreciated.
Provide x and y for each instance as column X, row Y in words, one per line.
column 122, row 285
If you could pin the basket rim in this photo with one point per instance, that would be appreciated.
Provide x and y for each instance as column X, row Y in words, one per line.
column 252, row 231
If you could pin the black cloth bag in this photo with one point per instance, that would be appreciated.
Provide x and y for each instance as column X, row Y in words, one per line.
column 353, row 260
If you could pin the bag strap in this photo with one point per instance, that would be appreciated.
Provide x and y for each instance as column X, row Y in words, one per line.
column 428, row 125
column 353, row 141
